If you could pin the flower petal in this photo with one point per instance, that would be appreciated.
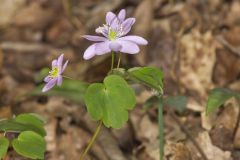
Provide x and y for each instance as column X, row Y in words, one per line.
column 54, row 63
column 115, row 46
column 47, row 79
column 64, row 66
column 49, row 85
column 127, row 25
column 122, row 15
column 102, row 30
column 129, row 47
column 102, row 48
column 59, row 80
column 116, row 24
column 89, row 52
column 135, row 39
column 94, row 38
column 60, row 60
column 109, row 17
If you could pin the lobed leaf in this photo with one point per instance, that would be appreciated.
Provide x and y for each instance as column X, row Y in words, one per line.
column 110, row 101
column 150, row 102
column 24, row 122
column 4, row 144
column 150, row 76
column 218, row 97
column 30, row 144
column 178, row 102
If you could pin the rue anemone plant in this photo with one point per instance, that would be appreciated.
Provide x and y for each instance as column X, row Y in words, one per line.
column 107, row 102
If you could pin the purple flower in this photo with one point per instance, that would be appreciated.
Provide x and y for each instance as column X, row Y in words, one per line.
column 55, row 75
column 114, row 37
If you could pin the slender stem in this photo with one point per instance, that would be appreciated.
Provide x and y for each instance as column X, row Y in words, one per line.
column 112, row 61
column 91, row 141
column 161, row 129
column 67, row 77
column 119, row 60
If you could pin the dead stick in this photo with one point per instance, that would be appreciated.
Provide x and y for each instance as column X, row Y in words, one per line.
column 226, row 44
column 185, row 130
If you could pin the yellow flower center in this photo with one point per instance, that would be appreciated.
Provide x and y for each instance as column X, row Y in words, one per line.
column 112, row 35
column 54, row 72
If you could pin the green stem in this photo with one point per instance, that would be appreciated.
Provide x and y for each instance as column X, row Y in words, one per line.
column 112, row 61
column 161, row 129
column 119, row 60
column 67, row 77
column 91, row 141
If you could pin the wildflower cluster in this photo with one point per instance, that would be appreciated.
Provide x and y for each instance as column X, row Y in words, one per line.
column 114, row 38
column 108, row 102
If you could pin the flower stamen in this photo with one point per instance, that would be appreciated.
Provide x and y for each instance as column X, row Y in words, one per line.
column 54, row 72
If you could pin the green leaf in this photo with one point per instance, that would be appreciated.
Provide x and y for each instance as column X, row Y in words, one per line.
column 110, row 101
column 150, row 76
column 218, row 97
column 72, row 89
column 23, row 122
column 33, row 120
column 30, row 144
column 4, row 143
column 178, row 102
column 150, row 102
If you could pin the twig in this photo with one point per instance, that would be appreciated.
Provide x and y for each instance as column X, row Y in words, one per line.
column 226, row 44
column 185, row 130
column 25, row 47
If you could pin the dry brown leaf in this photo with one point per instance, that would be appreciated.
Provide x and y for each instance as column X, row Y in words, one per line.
column 5, row 112
column 98, row 14
column 208, row 121
column 34, row 16
column 143, row 26
column 172, row 130
column 177, row 151
column 125, row 137
column 193, row 105
column 60, row 32
column 8, row 9
column 71, row 144
column 236, row 141
column 197, row 59
column 148, row 131
column 144, row 95
column 152, row 150
column 225, row 125
column 212, row 152
column 1, row 59
column 51, row 138
column 227, row 60
column 233, row 13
